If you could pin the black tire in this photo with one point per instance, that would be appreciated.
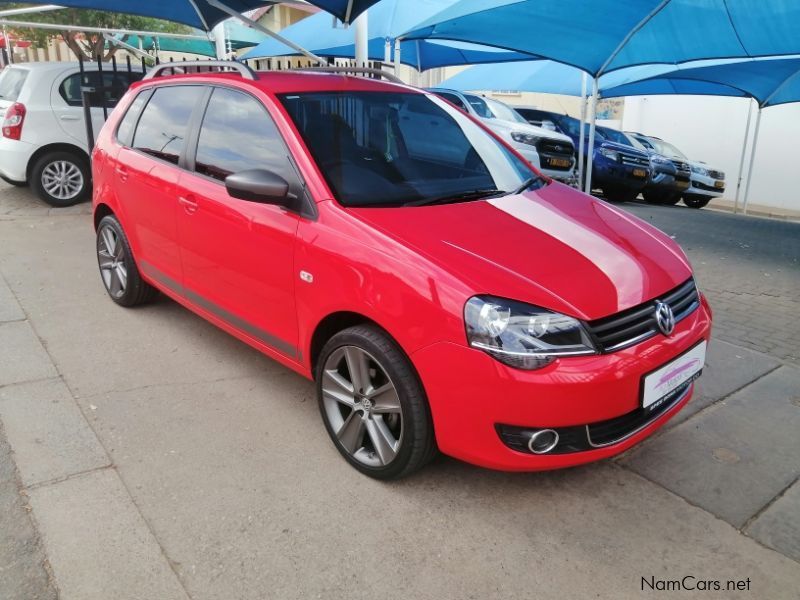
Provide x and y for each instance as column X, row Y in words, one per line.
column 693, row 201
column 14, row 182
column 620, row 194
column 417, row 444
column 52, row 160
column 663, row 197
column 136, row 291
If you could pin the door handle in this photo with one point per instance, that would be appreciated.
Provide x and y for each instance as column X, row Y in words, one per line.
column 189, row 204
column 122, row 172
column 69, row 118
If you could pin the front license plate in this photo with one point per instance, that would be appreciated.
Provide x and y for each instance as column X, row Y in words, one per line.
column 683, row 185
column 719, row 184
column 558, row 162
column 639, row 173
column 659, row 384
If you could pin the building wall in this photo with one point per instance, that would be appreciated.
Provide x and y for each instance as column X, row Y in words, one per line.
column 712, row 129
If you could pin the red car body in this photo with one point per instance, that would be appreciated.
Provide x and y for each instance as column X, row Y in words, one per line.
column 410, row 270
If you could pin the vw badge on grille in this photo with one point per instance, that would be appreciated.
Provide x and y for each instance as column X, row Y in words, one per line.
column 664, row 318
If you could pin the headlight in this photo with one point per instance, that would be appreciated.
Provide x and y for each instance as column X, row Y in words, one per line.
column 524, row 138
column 609, row 153
column 522, row 335
column 699, row 170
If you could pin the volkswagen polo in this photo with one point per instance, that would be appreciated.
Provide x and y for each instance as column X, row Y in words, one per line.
column 442, row 294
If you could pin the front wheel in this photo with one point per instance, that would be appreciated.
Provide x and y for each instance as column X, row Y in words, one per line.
column 373, row 405
column 620, row 194
column 696, row 201
column 61, row 178
column 666, row 198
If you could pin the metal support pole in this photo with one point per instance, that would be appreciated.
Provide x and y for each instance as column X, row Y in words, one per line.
column 219, row 40
column 590, row 150
column 397, row 52
column 387, row 51
column 86, row 95
column 361, row 25
column 741, row 160
column 259, row 27
column 581, row 139
column 752, row 160
column 9, row 47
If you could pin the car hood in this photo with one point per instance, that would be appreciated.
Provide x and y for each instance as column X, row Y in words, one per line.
column 554, row 247
column 622, row 148
column 501, row 125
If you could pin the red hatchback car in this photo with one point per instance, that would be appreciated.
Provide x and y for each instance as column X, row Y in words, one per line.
column 441, row 293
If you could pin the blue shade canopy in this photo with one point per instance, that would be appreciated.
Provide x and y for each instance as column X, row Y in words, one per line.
column 605, row 35
column 322, row 36
column 199, row 14
column 769, row 81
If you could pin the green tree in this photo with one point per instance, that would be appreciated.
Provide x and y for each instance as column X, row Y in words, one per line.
column 86, row 44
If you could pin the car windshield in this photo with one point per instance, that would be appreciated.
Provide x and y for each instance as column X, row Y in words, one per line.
column 503, row 111
column 665, row 148
column 393, row 149
column 570, row 125
column 11, row 82
column 615, row 136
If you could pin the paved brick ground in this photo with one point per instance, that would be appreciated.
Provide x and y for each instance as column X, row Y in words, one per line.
column 750, row 269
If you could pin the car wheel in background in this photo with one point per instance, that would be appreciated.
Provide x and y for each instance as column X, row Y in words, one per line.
column 118, row 270
column 61, row 178
column 661, row 197
column 696, row 201
column 14, row 183
column 373, row 405
column 620, row 194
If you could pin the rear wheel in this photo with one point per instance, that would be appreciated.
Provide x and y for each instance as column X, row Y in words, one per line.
column 696, row 201
column 664, row 197
column 61, row 178
column 373, row 404
column 620, row 194
column 118, row 270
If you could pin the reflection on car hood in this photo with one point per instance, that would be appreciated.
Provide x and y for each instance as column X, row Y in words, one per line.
column 554, row 247
column 502, row 124
column 622, row 148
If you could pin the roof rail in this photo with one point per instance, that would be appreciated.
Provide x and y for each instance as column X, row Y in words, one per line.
column 179, row 67
column 343, row 69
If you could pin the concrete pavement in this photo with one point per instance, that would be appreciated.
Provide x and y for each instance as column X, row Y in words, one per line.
column 164, row 459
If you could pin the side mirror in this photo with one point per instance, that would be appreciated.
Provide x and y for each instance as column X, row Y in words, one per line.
column 260, row 185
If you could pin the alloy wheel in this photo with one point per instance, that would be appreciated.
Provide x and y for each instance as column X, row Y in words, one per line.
column 111, row 258
column 362, row 406
column 62, row 179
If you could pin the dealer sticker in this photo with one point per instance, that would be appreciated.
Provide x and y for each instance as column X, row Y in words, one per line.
column 660, row 383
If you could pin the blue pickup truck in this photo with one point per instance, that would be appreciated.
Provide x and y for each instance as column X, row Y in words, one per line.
column 620, row 170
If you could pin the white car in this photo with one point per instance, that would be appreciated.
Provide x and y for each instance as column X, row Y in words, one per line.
column 551, row 152
column 43, row 138
column 705, row 183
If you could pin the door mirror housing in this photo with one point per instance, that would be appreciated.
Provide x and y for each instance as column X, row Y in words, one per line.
column 260, row 185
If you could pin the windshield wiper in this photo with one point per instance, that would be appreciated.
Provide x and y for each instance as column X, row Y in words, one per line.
column 458, row 197
column 528, row 183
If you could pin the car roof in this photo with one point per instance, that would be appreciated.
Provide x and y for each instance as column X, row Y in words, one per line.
column 284, row 82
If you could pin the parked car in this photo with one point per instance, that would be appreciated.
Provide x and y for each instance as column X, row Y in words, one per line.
column 439, row 290
column 620, row 170
column 43, row 141
column 669, row 178
column 705, row 183
column 551, row 152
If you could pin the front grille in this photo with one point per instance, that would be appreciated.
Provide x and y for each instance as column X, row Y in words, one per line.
column 556, row 148
column 683, row 167
column 716, row 174
column 637, row 324
column 634, row 160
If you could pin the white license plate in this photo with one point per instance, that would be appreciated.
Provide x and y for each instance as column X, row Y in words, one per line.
column 659, row 384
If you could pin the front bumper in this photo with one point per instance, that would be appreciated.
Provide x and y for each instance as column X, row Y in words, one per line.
column 472, row 395
column 612, row 173
column 661, row 180
column 532, row 156
column 14, row 158
column 702, row 185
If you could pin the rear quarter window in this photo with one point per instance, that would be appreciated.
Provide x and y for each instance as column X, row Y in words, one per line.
column 11, row 82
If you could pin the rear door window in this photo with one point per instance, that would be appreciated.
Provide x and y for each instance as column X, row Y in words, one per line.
column 164, row 123
column 11, row 82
